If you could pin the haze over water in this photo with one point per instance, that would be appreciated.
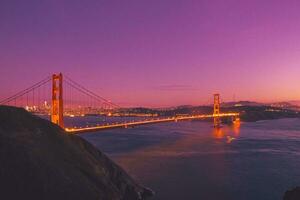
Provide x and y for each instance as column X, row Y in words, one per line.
column 192, row 160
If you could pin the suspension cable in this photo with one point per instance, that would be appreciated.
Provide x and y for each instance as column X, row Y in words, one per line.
column 91, row 93
column 26, row 91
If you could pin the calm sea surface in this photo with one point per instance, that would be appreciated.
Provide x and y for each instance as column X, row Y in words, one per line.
column 191, row 160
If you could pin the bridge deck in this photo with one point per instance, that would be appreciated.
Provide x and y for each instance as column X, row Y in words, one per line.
column 150, row 121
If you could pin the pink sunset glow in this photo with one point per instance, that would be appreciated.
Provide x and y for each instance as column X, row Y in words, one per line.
column 155, row 53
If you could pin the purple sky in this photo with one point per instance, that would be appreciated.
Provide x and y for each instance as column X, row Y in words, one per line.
column 155, row 53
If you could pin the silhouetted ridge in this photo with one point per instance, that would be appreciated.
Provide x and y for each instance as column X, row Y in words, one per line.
column 293, row 194
column 40, row 161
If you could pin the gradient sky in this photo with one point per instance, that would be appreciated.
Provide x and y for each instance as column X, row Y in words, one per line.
column 155, row 52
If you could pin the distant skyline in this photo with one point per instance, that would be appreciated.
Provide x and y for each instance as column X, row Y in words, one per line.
column 155, row 53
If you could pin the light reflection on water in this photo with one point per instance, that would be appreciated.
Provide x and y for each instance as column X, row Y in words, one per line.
column 192, row 160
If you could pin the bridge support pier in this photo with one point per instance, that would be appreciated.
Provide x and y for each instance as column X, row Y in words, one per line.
column 216, row 114
column 236, row 120
column 57, row 100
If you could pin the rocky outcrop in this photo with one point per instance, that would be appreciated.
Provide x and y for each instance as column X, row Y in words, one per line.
column 293, row 194
column 38, row 160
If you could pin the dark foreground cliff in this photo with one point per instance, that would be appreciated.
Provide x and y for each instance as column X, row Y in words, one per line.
column 39, row 161
column 293, row 194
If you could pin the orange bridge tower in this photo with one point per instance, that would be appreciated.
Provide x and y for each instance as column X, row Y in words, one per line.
column 216, row 110
column 57, row 100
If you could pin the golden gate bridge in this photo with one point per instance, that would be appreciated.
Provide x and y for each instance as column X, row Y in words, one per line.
column 59, row 96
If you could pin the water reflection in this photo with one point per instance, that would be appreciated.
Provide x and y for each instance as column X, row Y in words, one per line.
column 236, row 127
column 218, row 133
column 192, row 160
column 229, row 132
column 230, row 139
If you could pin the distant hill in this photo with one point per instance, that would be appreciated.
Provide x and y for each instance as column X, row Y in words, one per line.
column 40, row 161
column 256, row 113
column 296, row 103
column 241, row 103
column 250, row 111
column 286, row 105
